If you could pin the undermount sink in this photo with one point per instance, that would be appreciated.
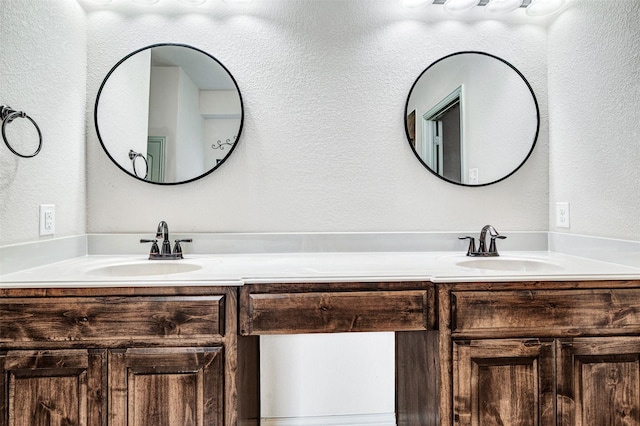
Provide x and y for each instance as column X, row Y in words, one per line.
column 510, row 264
column 144, row 269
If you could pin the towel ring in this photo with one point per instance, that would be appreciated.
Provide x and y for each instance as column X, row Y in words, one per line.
column 133, row 156
column 7, row 114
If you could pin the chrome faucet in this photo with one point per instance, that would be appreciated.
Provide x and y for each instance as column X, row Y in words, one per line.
column 163, row 232
column 482, row 247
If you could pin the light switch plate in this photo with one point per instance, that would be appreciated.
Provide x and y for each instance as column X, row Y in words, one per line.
column 473, row 176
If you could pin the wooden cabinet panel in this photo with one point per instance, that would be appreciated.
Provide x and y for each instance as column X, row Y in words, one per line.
column 545, row 313
column 503, row 382
column 53, row 388
column 166, row 386
column 159, row 357
column 330, row 312
column 110, row 318
column 417, row 387
column 599, row 381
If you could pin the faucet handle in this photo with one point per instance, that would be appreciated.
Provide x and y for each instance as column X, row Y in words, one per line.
column 492, row 245
column 177, row 249
column 472, row 244
column 154, row 246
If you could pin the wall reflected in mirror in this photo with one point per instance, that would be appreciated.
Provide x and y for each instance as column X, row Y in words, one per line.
column 175, row 105
column 472, row 118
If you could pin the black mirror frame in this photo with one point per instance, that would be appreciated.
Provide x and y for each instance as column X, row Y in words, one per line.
column 95, row 114
column 535, row 102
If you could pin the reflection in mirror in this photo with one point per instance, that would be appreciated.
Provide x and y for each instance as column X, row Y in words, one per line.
column 472, row 118
column 141, row 167
column 174, row 106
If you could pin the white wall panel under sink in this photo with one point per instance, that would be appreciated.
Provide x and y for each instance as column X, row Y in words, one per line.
column 306, row 378
column 375, row 419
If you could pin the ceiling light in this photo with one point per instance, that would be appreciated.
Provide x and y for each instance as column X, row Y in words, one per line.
column 145, row 1
column 503, row 6
column 544, row 7
column 192, row 2
column 100, row 1
column 459, row 5
column 412, row 4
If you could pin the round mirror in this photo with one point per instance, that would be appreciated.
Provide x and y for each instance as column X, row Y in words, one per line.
column 168, row 114
column 472, row 118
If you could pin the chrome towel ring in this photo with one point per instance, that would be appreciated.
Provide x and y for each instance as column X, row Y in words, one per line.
column 7, row 115
column 135, row 155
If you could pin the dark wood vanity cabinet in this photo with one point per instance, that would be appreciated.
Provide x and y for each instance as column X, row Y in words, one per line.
column 143, row 386
column 166, row 386
column 505, row 353
column 540, row 353
column 508, row 382
column 575, row 381
column 128, row 356
column 53, row 387
column 512, row 353
column 172, row 355
column 599, row 381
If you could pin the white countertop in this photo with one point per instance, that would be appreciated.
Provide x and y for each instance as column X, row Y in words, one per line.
column 239, row 269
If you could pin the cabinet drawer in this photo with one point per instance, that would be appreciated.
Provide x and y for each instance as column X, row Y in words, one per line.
column 545, row 313
column 331, row 312
column 110, row 318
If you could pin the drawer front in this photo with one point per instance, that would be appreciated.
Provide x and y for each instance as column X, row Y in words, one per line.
column 333, row 312
column 545, row 313
column 110, row 318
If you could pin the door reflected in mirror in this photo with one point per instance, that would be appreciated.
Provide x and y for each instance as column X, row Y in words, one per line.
column 472, row 119
column 442, row 136
column 176, row 106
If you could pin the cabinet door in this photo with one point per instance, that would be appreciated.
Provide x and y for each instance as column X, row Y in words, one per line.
column 53, row 388
column 503, row 382
column 599, row 381
column 166, row 386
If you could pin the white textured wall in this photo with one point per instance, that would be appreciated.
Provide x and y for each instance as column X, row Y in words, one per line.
column 594, row 105
column 43, row 72
column 323, row 147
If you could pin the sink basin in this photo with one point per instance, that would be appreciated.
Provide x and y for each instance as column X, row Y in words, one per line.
column 510, row 264
column 143, row 269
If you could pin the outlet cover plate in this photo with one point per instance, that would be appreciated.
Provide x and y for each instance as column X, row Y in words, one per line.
column 563, row 218
column 47, row 219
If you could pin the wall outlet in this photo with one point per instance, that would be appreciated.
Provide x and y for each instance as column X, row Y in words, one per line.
column 563, row 218
column 47, row 219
